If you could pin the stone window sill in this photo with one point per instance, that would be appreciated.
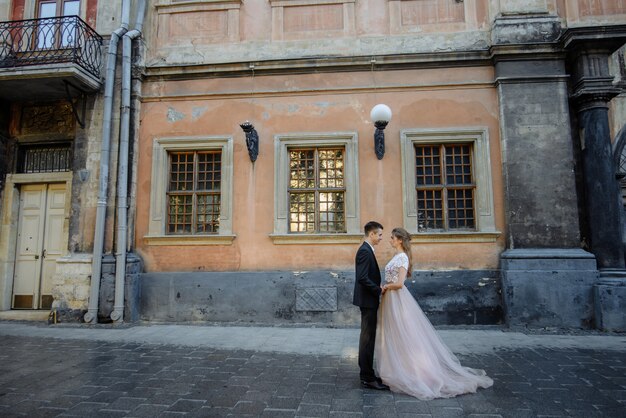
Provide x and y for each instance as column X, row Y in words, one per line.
column 287, row 239
column 189, row 239
column 435, row 237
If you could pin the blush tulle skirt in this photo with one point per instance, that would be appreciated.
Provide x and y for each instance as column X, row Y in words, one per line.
column 412, row 359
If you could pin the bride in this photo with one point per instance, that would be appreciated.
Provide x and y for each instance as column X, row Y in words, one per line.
column 410, row 356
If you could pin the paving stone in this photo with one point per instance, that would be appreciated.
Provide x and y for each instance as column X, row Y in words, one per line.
column 342, row 414
column 257, row 395
column 446, row 412
column 377, row 398
column 347, row 405
column 147, row 410
column 249, row 407
column 408, row 415
column 284, row 402
column 313, row 410
column 381, row 411
column 186, row 405
column 84, row 408
column 141, row 380
column 278, row 413
column 412, row 407
column 317, row 398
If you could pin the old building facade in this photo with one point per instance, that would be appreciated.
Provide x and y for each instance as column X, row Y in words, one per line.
column 248, row 164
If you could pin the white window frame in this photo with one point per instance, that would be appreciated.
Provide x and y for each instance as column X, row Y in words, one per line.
column 158, row 190
column 478, row 137
column 282, row 144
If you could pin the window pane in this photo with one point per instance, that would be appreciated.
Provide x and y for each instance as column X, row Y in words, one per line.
column 46, row 31
column 302, row 212
column 458, row 166
column 179, row 214
column 428, row 165
column 461, row 208
column 181, row 171
column 331, row 168
column 331, row 209
column 302, row 169
column 209, row 170
column 71, row 8
column 208, row 213
column 48, row 9
column 429, row 209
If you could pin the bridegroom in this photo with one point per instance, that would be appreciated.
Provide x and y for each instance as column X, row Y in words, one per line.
column 367, row 296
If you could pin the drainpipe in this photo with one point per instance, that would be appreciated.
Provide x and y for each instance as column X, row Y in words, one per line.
column 98, row 241
column 122, row 177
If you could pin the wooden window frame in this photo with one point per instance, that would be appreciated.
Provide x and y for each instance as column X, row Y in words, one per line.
column 485, row 228
column 445, row 188
column 157, row 221
column 195, row 192
column 317, row 190
column 282, row 144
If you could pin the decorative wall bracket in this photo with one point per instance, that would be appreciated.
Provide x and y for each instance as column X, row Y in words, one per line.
column 252, row 140
column 379, row 138
column 380, row 115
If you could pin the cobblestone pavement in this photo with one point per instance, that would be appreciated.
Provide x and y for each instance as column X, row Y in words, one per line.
column 47, row 377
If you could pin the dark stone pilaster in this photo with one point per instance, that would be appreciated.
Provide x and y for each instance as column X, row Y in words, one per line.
column 537, row 153
column 601, row 186
column 539, row 285
column 592, row 89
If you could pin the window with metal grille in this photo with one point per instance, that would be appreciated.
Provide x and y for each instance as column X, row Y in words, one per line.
column 316, row 190
column 44, row 158
column 194, row 192
column 445, row 187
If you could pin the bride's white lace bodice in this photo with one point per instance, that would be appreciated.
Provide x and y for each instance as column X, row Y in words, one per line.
column 393, row 267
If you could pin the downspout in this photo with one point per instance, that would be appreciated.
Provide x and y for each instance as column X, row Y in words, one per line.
column 122, row 176
column 98, row 241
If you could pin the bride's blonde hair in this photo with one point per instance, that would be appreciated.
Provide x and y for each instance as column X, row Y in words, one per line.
column 405, row 238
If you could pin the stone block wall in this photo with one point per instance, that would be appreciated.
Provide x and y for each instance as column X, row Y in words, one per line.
column 314, row 297
column 70, row 287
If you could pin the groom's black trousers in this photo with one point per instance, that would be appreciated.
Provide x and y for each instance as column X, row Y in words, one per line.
column 366, row 343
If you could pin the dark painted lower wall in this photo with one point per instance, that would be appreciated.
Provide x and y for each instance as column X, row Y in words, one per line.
column 319, row 297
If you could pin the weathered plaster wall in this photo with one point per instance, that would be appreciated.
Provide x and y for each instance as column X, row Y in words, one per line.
column 338, row 102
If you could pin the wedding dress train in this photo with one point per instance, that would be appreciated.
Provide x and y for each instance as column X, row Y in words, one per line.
column 410, row 356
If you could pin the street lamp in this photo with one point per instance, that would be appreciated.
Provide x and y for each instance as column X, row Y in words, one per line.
column 381, row 115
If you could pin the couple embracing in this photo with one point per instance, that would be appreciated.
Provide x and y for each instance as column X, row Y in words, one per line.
column 410, row 356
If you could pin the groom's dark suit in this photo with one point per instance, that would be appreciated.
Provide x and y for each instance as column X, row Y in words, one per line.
column 367, row 296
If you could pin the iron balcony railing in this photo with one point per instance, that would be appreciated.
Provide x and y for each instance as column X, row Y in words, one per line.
column 50, row 40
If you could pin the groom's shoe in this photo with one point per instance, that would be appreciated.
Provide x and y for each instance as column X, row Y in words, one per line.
column 374, row 384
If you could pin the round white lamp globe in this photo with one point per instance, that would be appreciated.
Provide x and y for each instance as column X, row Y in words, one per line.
column 380, row 113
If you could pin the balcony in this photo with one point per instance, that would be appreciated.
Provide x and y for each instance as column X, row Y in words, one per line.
column 49, row 58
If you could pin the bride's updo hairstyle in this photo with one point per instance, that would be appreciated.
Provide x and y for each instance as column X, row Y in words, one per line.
column 405, row 238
